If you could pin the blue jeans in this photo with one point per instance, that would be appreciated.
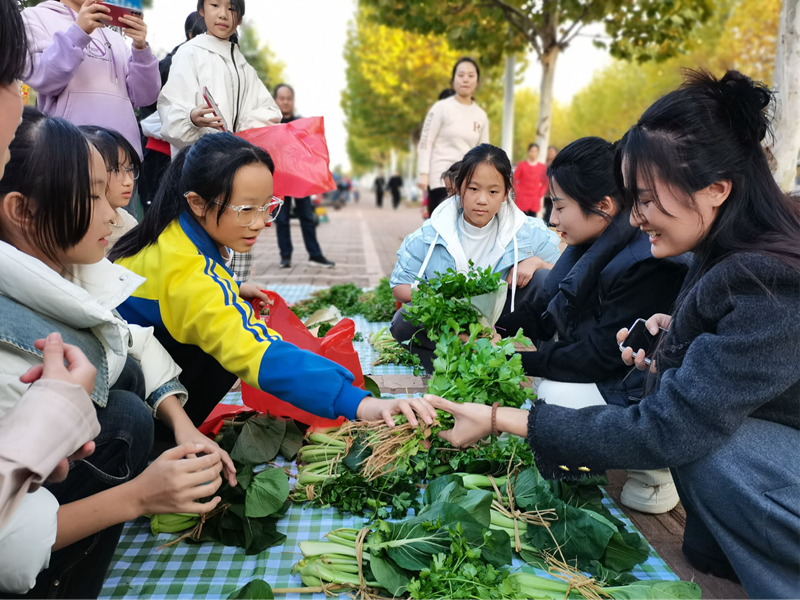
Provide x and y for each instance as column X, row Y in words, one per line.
column 742, row 504
column 307, row 225
column 123, row 449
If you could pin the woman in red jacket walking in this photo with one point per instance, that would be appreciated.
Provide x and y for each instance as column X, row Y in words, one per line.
column 530, row 182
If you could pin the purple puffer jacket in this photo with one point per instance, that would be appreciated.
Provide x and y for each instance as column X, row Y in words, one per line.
column 88, row 80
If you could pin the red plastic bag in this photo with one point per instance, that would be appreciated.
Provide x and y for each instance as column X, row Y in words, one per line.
column 337, row 346
column 213, row 423
column 300, row 152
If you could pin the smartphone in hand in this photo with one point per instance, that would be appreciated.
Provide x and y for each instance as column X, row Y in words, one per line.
column 210, row 101
column 639, row 338
column 120, row 11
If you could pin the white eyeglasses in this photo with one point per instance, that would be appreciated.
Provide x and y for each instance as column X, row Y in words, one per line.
column 247, row 215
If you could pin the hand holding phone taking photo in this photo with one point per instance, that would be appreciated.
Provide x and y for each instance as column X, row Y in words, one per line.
column 639, row 343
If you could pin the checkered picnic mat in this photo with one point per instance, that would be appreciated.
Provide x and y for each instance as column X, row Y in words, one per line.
column 142, row 568
column 366, row 353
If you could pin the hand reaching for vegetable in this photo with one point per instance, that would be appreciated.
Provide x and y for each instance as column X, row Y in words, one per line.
column 191, row 435
column 175, row 481
column 525, row 271
column 473, row 422
column 373, row 409
column 248, row 291
column 653, row 324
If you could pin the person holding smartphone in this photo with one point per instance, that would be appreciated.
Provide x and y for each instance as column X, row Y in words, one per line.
column 605, row 279
column 85, row 72
column 725, row 417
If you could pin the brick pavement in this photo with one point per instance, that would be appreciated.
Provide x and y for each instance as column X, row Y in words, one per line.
column 361, row 239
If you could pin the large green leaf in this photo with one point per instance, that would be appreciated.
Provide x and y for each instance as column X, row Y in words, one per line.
column 267, row 493
column 258, row 589
column 656, row 590
column 260, row 534
column 495, row 546
column 391, row 577
column 259, row 441
column 412, row 543
column 292, row 441
column 449, row 489
column 625, row 551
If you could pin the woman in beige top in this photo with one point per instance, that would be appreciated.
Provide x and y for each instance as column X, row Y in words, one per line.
column 452, row 128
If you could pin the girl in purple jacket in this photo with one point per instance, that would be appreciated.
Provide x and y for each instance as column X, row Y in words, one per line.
column 85, row 72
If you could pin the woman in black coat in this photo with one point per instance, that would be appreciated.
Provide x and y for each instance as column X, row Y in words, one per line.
column 605, row 280
column 725, row 416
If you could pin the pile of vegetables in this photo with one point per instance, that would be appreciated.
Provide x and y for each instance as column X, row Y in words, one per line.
column 362, row 467
column 447, row 299
column 390, row 351
column 453, row 548
column 376, row 305
column 247, row 513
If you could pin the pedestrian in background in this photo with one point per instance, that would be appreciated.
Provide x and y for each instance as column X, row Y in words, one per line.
column 552, row 151
column 530, row 182
column 87, row 73
column 284, row 97
column 378, row 186
column 452, row 128
column 395, row 187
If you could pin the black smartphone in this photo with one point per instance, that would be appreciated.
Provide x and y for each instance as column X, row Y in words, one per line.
column 641, row 339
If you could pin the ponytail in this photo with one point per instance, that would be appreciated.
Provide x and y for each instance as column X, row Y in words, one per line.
column 208, row 168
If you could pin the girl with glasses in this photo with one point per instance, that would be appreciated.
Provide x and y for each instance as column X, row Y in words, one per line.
column 122, row 165
column 216, row 198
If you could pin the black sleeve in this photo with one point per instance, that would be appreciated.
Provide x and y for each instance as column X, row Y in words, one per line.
column 640, row 293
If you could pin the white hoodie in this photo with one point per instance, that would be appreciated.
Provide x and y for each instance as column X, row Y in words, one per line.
column 207, row 61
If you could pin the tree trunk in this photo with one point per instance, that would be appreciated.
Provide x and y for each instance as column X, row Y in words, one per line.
column 787, row 86
column 546, row 100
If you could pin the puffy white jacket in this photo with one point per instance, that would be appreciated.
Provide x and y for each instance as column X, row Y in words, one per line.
column 207, row 61
column 84, row 301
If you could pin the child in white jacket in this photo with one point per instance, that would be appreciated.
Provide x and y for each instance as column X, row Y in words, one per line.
column 213, row 61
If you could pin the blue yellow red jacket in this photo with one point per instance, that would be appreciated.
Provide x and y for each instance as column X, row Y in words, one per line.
column 190, row 297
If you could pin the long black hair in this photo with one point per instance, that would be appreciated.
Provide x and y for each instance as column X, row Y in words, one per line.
column 13, row 44
column 706, row 131
column 108, row 143
column 50, row 163
column 485, row 154
column 207, row 168
column 585, row 171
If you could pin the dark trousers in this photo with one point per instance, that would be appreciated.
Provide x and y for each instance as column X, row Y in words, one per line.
column 379, row 198
column 420, row 344
column 206, row 381
column 435, row 197
column 154, row 166
column 123, row 448
column 742, row 505
column 548, row 209
column 395, row 198
column 307, row 225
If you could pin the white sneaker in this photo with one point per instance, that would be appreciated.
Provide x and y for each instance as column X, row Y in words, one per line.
column 651, row 499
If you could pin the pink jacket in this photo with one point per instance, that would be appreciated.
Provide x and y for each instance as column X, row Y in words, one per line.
column 51, row 421
column 88, row 80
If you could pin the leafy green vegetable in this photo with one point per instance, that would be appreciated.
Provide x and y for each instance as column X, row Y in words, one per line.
column 378, row 305
column 391, row 352
column 292, row 441
column 267, row 493
column 258, row 589
column 375, row 305
column 447, row 298
column 259, row 441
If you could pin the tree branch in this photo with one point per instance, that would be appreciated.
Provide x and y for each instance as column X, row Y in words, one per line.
column 521, row 21
column 578, row 22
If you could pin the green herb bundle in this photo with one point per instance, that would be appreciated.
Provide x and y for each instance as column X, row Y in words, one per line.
column 447, row 299
column 247, row 513
column 375, row 305
column 390, row 351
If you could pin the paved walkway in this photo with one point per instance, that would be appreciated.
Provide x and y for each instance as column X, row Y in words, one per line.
column 361, row 239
